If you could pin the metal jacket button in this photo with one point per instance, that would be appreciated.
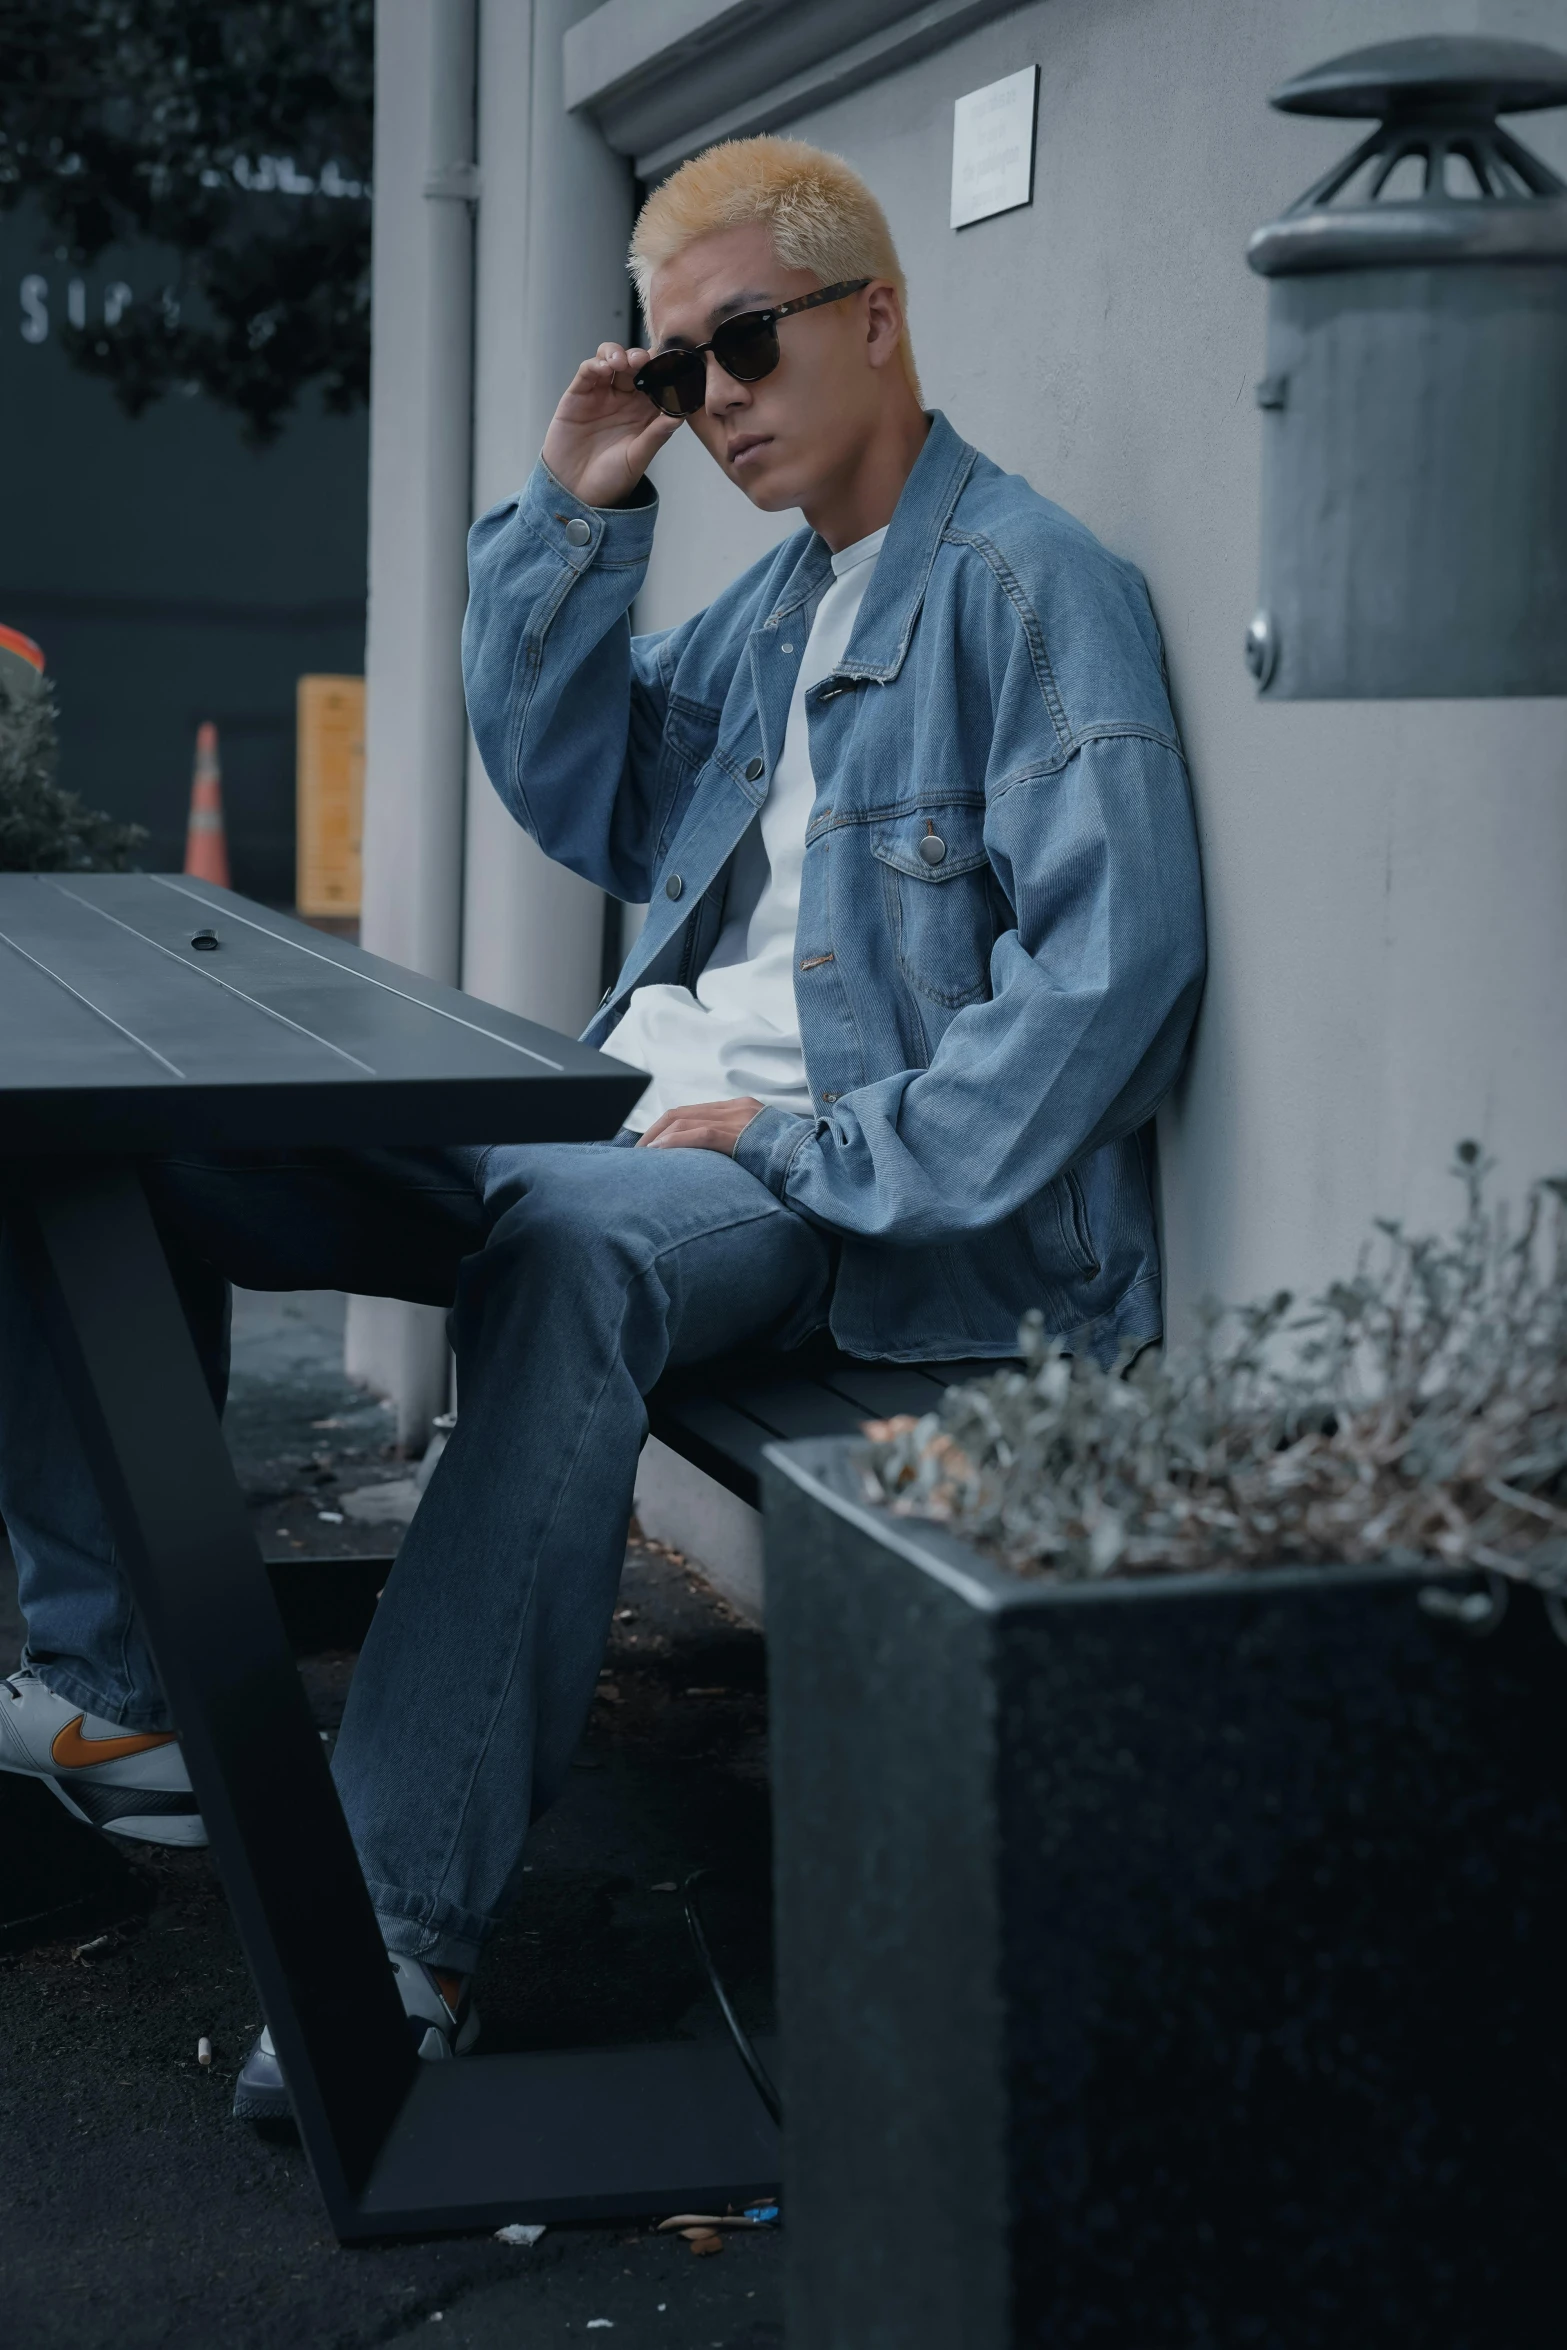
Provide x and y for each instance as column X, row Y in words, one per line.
column 755, row 769
column 578, row 532
column 933, row 848
column 673, row 886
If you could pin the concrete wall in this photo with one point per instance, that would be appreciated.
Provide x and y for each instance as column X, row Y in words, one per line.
column 1386, row 881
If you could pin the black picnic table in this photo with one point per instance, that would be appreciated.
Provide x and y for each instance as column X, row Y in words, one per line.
column 144, row 1012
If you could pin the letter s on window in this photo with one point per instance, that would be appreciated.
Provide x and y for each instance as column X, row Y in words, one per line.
column 35, row 309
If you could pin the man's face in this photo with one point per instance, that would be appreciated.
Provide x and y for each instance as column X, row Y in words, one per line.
column 791, row 435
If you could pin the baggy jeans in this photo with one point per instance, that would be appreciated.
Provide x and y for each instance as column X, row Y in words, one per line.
column 574, row 1273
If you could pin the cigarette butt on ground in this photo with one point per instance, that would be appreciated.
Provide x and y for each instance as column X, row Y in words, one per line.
column 204, row 2050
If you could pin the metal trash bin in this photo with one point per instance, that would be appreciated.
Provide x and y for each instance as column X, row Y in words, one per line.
column 1414, row 510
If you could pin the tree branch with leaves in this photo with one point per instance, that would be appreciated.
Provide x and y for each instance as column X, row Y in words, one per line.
column 238, row 140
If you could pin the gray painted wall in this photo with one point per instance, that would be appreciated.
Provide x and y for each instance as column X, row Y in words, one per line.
column 1386, row 881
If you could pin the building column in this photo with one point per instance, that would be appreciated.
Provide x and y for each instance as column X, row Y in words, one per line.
column 552, row 285
column 421, row 468
column 483, row 305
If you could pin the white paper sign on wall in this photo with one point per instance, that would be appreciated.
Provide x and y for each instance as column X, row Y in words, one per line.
column 993, row 147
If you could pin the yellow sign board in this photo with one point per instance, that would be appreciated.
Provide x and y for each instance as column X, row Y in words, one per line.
column 330, row 776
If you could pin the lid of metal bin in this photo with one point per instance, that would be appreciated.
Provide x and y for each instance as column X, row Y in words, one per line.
column 1483, row 197
column 1490, row 77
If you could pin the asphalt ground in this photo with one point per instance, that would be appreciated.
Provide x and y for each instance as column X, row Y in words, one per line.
column 135, row 2212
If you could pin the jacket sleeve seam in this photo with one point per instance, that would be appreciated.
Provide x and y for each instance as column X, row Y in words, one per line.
column 1132, row 730
column 530, row 655
column 1033, row 635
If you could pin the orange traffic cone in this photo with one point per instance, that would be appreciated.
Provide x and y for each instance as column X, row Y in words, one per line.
column 206, row 844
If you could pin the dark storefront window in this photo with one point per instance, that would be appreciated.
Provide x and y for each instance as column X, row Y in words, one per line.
column 170, row 572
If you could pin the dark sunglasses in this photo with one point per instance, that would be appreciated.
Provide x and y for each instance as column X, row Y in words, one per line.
column 745, row 347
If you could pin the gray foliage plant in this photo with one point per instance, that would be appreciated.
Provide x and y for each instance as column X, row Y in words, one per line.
column 1415, row 1412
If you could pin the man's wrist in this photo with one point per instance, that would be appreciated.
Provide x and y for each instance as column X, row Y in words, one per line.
column 575, row 531
column 734, row 1147
column 766, row 1147
column 641, row 493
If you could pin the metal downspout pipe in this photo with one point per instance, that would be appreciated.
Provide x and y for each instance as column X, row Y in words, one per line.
column 421, row 473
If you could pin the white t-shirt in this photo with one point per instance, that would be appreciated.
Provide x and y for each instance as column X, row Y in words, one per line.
column 739, row 1032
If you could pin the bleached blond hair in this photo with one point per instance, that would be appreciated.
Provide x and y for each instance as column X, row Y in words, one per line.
column 821, row 215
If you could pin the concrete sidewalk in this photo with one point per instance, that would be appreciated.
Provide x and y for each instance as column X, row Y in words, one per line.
column 138, row 2214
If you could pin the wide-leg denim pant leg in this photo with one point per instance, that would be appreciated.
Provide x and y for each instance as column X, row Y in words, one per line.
column 579, row 1271
column 602, row 1266
column 383, row 1223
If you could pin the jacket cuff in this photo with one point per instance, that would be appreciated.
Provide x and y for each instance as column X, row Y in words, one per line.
column 767, row 1146
column 616, row 534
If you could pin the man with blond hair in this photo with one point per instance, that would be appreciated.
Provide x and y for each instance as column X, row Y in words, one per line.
column 923, row 948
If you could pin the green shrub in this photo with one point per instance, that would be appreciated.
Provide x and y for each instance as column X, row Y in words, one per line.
column 1415, row 1412
column 42, row 828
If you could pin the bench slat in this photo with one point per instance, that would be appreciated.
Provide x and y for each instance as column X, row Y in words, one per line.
column 793, row 1408
column 724, row 1443
column 879, row 1391
column 720, row 1415
column 958, row 1374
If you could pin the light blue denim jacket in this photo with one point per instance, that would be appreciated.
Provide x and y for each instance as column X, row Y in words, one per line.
column 987, row 1035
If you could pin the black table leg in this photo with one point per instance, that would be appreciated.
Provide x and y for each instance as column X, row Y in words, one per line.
column 398, row 2147
column 255, row 1759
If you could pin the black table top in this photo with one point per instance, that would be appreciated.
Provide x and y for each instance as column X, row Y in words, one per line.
column 117, row 1034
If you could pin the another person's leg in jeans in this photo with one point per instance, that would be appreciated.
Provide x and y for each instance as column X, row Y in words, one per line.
column 388, row 1223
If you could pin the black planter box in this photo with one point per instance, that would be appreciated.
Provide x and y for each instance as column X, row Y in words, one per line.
column 1169, row 1961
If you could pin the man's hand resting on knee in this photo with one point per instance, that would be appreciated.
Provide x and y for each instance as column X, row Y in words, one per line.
column 701, row 1126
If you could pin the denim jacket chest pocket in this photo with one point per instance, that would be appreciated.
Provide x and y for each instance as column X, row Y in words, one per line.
column 690, row 731
column 941, row 898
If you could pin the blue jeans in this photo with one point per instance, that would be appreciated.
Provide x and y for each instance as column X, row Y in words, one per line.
column 575, row 1272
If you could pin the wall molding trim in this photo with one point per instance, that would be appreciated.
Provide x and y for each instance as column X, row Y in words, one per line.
column 663, row 78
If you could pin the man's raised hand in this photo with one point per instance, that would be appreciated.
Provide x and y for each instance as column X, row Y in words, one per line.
column 605, row 433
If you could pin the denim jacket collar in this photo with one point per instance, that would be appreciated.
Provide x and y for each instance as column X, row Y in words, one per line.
column 885, row 623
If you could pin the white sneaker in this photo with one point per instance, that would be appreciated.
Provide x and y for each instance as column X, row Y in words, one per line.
column 130, row 1783
column 439, row 2029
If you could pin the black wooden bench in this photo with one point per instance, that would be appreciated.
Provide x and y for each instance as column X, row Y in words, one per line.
column 718, row 1415
column 721, row 1415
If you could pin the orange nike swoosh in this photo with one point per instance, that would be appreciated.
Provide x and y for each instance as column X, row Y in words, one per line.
column 72, row 1751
